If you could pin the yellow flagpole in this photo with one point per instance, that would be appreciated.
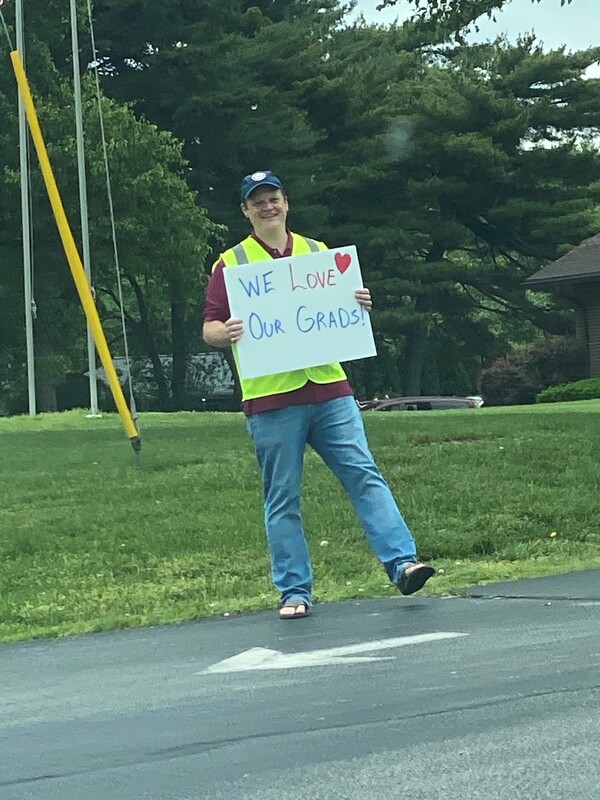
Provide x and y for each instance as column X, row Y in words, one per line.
column 72, row 254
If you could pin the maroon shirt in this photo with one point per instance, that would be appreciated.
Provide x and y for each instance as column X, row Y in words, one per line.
column 216, row 308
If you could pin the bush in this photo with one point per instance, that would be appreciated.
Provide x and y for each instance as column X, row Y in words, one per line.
column 520, row 376
column 587, row 389
column 504, row 384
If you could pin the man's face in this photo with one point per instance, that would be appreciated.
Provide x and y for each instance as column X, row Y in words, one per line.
column 266, row 208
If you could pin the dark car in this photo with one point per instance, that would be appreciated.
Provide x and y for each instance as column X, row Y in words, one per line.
column 424, row 403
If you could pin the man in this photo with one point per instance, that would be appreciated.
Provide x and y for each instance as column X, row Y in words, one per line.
column 313, row 406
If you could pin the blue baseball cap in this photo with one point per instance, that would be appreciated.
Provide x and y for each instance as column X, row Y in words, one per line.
column 265, row 178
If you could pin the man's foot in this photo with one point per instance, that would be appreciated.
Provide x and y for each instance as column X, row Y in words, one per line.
column 294, row 609
column 414, row 577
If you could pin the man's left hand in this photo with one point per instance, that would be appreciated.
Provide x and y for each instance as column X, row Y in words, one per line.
column 363, row 297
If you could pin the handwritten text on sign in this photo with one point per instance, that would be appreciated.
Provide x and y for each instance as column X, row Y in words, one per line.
column 299, row 312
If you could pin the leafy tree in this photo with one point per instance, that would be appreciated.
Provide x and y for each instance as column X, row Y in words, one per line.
column 442, row 179
column 456, row 171
column 231, row 80
column 417, row 156
column 457, row 13
column 163, row 234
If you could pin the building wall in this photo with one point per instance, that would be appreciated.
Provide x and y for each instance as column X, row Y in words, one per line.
column 586, row 298
column 592, row 319
column 581, row 331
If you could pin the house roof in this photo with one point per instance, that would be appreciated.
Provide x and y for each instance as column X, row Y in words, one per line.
column 582, row 264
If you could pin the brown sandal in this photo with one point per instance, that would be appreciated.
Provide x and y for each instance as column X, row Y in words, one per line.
column 300, row 610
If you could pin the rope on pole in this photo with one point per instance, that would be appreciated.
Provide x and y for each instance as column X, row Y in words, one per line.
column 111, row 206
column 6, row 31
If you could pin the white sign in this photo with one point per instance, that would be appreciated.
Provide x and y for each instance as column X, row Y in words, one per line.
column 262, row 658
column 299, row 312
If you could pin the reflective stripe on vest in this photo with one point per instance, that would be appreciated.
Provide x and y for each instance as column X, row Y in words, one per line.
column 241, row 256
column 250, row 251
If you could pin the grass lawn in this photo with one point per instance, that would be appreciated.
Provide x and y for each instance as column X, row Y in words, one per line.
column 91, row 541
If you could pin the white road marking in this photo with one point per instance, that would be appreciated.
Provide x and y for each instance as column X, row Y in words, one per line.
column 262, row 658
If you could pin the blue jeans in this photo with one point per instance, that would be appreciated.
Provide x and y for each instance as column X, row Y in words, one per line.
column 335, row 430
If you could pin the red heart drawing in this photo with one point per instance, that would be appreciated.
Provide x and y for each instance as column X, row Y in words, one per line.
column 342, row 261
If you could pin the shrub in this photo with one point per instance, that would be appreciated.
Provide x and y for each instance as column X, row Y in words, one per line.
column 504, row 384
column 587, row 389
column 521, row 375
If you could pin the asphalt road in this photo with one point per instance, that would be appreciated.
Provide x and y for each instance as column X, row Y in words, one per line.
column 335, row 707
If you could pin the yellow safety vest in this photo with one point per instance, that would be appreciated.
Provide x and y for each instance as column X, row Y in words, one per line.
column 250, row 251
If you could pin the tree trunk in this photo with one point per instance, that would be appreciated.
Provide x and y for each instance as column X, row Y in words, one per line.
column 416, row 349
column 237, row 388
column 46, row 379
column 417, row 337
column 147, row 337
column 179, row 344
column 149, row 345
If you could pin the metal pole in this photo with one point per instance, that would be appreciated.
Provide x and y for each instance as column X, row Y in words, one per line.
column 26, row 222
column 83, row 202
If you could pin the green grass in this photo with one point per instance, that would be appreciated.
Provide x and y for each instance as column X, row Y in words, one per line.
column 89, row 541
